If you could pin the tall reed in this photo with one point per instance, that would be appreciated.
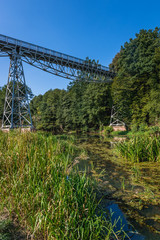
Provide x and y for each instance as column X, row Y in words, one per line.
column 35, row 185
column 141, row 148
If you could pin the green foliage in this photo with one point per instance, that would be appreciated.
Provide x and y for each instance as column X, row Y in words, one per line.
column 38, row 184
column 140, row 149
column 82, row 107
column 119, row 133
column 107, row 130
column 135, row 89
column 143, row 127
column 7, row 230
column 155, row 130
column 134, row 128
column 136, row 172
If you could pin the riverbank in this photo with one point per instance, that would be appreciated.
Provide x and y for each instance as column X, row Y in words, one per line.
column 38, row 185
column 135, row 131
column 43, row 195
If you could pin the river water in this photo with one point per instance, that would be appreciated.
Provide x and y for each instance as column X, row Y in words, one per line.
column 117, row 188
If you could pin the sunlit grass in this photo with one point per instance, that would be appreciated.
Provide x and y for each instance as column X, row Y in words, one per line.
column 140, row 149
column 36, row 186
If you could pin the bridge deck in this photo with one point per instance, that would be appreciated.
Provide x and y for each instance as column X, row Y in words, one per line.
column 8, row 45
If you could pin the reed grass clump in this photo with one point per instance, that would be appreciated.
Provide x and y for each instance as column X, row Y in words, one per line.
column 141, row 148
column 36, row 186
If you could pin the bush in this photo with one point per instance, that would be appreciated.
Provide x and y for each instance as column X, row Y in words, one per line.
column 155, row 130
column 107, row 130
column 134, row 128
column 143, row 127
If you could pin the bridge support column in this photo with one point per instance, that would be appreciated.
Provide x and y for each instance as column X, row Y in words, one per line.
column 16, row 108
column 116, row 124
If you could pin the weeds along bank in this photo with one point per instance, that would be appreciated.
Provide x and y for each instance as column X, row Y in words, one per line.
column 144, row 148
column 38, row 186
column 139, row 145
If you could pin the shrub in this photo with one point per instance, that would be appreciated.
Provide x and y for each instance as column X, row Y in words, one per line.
column 107, row 130
column 143, row 127
column 154, row 130
column 134, row 128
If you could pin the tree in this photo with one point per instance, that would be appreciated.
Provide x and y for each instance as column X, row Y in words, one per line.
column 83, row 106
column 137, row 78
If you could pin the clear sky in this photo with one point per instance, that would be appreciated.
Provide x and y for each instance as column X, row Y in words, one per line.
column 81, row 28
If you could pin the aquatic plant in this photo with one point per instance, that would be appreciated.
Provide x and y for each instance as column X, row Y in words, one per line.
column 123, row 183
column 36, row 186
column 140, row 148
column 136, row 172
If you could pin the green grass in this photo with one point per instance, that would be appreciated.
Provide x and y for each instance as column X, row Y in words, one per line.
column 50, row 201
column 140, row 148
column 119, row 133
column 5, row 230
column 141, row 131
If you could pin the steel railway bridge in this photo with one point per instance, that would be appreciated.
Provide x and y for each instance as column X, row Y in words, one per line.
column 16, row 108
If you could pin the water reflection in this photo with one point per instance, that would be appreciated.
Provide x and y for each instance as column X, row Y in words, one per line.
column 84, row 166
column 115, row 174
column 118, row 217
column 116, row 213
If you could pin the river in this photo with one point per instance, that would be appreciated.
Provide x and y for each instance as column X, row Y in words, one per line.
column 121, row 186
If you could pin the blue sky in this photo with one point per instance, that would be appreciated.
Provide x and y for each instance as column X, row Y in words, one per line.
column 96, row 29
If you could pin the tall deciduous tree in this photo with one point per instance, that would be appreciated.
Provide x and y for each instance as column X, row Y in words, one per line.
column 137, row 82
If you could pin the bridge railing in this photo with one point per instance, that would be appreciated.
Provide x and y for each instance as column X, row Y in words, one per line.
column 12, row 43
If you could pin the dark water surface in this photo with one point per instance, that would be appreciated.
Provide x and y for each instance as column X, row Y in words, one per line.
column 118, row 217
column 112, row 181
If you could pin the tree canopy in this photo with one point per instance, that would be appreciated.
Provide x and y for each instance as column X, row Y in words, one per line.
column 136, row 88
column 82, row 106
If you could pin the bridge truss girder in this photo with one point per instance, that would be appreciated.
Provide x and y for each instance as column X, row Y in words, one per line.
column 65, row 69
column 55, row 62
